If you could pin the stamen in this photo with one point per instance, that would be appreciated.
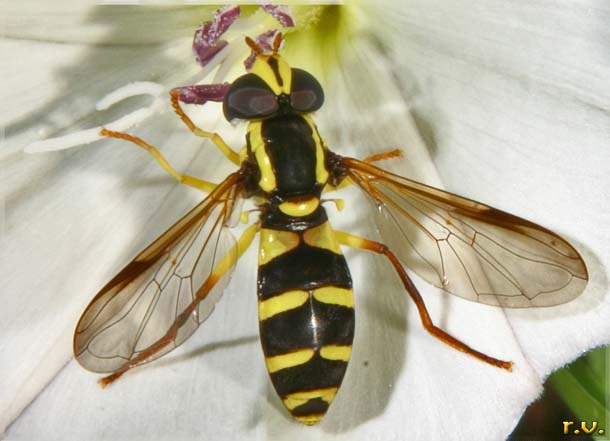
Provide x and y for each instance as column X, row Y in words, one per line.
column 207, row 42
column 202, row 93
column 90, row 135
column 281, row 13
column 128, row 91
column 207, row 45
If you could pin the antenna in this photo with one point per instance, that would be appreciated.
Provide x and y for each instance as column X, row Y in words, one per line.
column 254, row 46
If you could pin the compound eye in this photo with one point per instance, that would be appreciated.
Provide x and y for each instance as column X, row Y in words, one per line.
column 249, row 98
column 306, row 93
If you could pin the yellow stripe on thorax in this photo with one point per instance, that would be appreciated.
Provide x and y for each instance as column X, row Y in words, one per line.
column 321, row 171
column 257, row 145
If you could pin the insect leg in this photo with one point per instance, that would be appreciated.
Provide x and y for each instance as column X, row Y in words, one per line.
column 390, row 154
column 225, row 264
column 396, row 153
column 184, row 179
column 232, row 155
column 365, row 244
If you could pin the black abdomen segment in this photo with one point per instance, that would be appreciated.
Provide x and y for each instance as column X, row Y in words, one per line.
column 304, row 267
column 306, row 316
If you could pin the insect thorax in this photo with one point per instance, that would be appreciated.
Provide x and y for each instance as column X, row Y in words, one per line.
column 291, row 161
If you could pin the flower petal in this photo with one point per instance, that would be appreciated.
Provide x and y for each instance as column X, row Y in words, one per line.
column 46, row 222
column 400, row 386
column 513, row 103
column 74, row 21
column 400, row 380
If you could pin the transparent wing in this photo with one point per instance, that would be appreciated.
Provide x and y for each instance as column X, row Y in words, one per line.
column 470, row 249
column 139, row 305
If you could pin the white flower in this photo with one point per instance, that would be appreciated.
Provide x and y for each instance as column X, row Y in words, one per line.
column 507, row 103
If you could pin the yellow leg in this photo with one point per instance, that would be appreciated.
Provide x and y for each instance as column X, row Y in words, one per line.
column 226, row 263
column 365, row 244
column 184, row 179
column 232, row 155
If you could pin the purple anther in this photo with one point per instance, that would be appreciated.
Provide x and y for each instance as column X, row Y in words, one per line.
column 281, row 13
column 206, row 42
column 265, row 42
column 203, row 93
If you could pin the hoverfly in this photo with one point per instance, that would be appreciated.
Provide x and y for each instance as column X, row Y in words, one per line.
column 305, row 301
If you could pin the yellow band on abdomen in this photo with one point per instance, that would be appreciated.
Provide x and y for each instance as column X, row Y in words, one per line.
column 284, row 361
column 336, row 352
column 299, row 398
column 281, row 303
column 335, row 296
column 274, row 243
column 322, row 236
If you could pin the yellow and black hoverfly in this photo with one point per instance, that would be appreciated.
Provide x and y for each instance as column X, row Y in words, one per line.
column 305, row 301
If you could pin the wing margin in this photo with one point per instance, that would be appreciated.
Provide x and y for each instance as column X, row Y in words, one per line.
column 468, row 248
column 152, row 291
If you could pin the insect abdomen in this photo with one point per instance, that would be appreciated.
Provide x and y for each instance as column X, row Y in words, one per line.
column 306, row 315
